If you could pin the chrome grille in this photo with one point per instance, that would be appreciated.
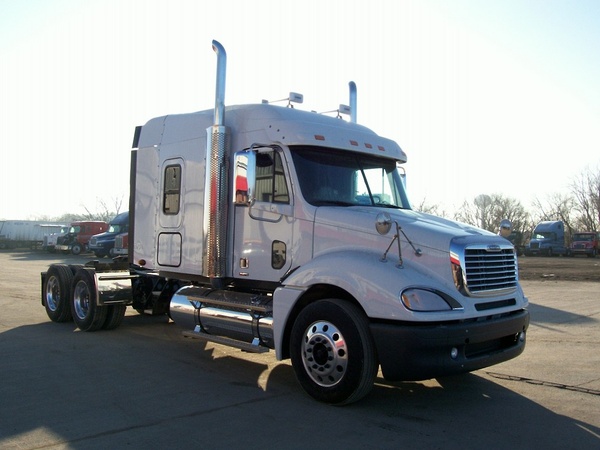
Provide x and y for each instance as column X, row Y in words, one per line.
column 486, row 270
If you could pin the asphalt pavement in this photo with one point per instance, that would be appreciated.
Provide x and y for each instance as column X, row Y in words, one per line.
column 144, row 386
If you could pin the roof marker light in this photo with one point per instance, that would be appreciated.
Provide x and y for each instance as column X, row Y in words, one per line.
column 294, row 97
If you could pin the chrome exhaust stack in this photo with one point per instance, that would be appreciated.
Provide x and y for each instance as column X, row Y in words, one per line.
column 215, row 191
column 352, row 86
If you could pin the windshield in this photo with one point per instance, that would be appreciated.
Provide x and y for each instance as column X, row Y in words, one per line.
column 335, row 177
column 117, row 228
column 583, row 237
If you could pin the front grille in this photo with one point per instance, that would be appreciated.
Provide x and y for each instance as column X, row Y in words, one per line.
column 486, row 270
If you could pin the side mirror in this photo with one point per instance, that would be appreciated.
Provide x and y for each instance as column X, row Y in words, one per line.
column 244, row 180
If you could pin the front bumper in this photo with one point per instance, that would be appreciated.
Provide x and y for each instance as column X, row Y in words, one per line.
column 412, row 352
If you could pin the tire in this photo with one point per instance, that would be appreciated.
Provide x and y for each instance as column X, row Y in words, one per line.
column 76, row 249
column 88, row 316
column 57, row 292
column 114, row 316
column 337, row 377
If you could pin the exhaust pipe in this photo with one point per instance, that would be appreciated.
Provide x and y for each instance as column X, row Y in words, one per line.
column 220, row 85
column 215, row 191
column 352, row 86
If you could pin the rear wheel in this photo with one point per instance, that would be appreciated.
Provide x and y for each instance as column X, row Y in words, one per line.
column 114, row 316
column 332, row 352
column 57, row 292
column 86, row 313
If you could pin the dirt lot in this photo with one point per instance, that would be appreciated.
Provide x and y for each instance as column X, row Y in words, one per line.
column 559, row 268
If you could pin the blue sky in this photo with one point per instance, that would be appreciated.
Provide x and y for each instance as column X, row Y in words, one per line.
column 484, row 96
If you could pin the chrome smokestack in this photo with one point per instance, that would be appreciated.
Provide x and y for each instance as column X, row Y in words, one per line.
column 215, row 192
column 352, row 86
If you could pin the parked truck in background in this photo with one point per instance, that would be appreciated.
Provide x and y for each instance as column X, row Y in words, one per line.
column 103, row 244
column 77, row 238
column 51, row 240
column 547, row 239
column 585, row 243
column 25, row 233
column 266, row 228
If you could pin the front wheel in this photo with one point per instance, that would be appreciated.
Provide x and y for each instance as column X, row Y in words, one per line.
column 76, row 249
column 88, row 316
column 332, row 351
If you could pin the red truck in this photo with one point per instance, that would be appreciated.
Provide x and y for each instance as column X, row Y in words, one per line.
column 78, row 236
column 585, row 243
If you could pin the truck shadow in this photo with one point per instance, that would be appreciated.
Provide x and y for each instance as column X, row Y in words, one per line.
column 143, row 384
column 552, row 316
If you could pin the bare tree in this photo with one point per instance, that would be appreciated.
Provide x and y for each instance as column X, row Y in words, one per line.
column 557, row 207
column 486, row 211
column 105, row 214
column 586, row 193
column 430, row 209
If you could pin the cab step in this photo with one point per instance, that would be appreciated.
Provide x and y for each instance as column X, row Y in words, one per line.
column 253, row 347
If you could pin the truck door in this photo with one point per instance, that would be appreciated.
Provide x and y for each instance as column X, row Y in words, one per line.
column 263, row 216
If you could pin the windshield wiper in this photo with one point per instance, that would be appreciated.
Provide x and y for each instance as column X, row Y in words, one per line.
column 332, row 203
column 387, row 205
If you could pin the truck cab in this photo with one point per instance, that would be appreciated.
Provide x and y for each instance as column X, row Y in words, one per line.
column 585, row 243
column 547, row 239
column 103, row 244
column 51, row 240
column 77, row 238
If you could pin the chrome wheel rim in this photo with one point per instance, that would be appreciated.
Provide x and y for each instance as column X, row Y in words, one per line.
column 81, row 300
column 324, row 354
column 52, row 293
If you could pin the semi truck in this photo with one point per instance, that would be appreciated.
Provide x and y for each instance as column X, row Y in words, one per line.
column 269, row 228
column 103, row 244
column 51, row 239
column 547, row 239
column 585, row 243
column 25, row 233
column 76, row 240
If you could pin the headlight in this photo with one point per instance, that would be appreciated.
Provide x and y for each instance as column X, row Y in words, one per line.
column 424, row 300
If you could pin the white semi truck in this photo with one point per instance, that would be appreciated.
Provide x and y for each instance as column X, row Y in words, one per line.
column 266, row 228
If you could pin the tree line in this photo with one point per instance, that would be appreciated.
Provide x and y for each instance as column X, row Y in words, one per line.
column 579, row 209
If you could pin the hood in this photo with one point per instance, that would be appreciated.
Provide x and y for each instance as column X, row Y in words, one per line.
column 425, row 231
